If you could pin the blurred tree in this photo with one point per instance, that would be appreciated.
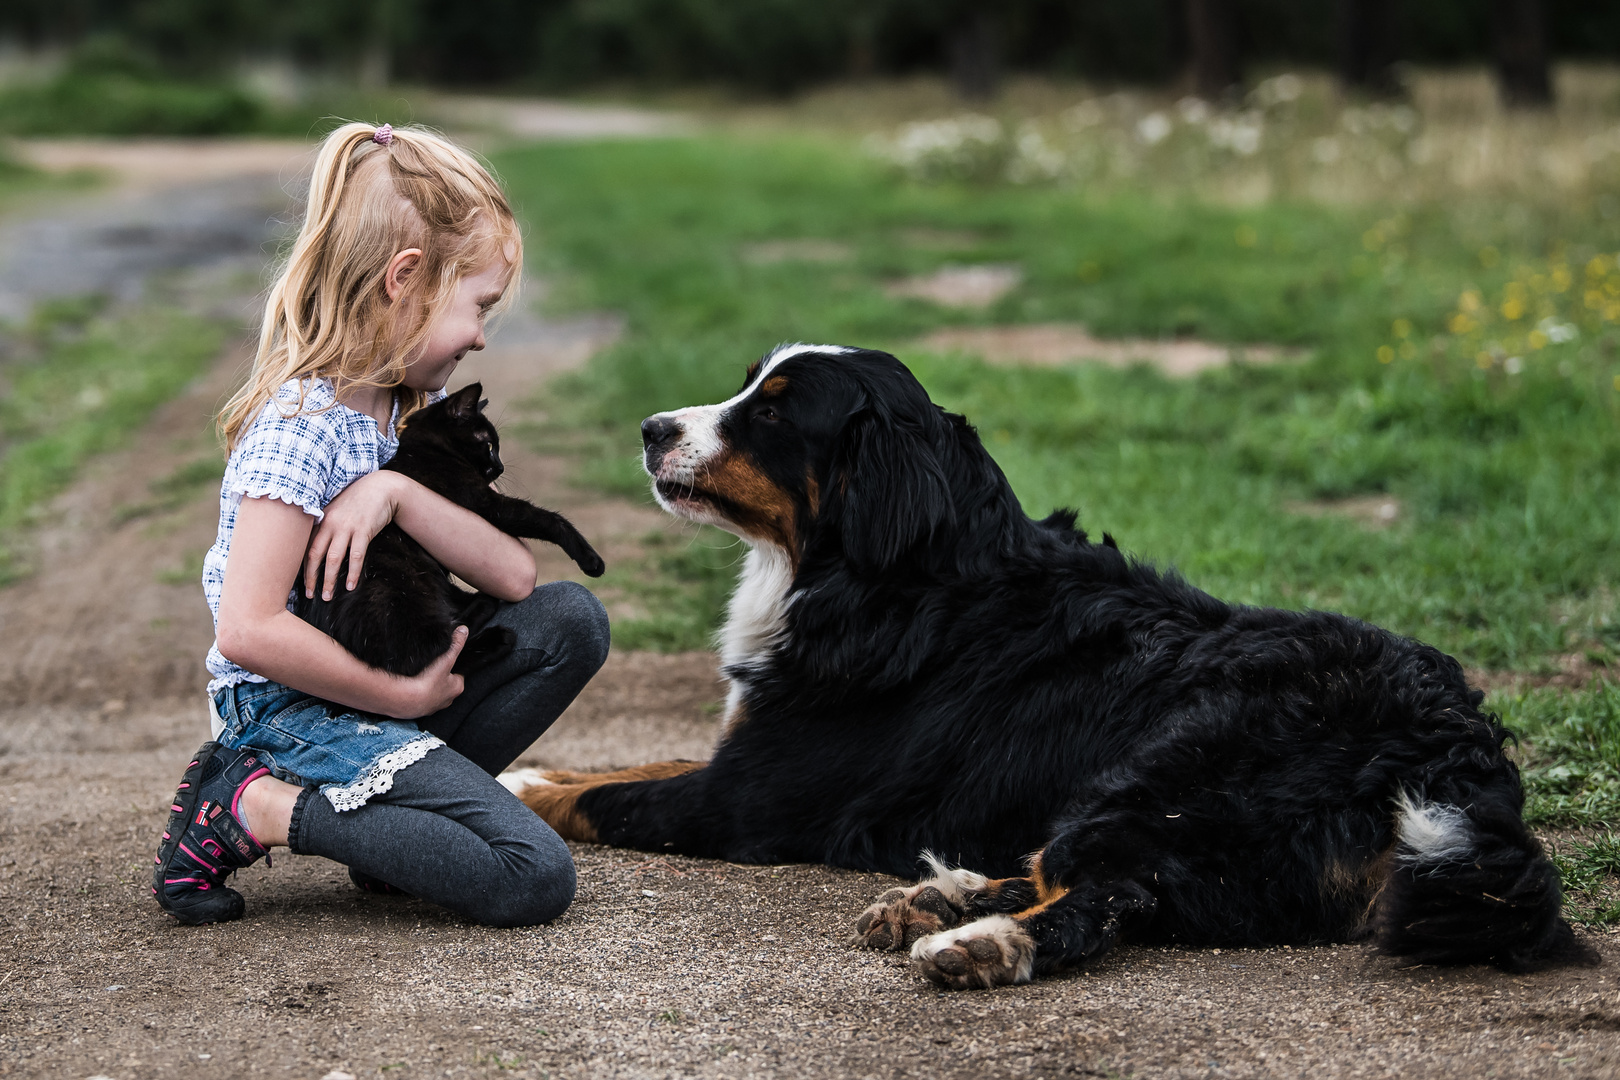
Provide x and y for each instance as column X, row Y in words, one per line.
column 1213, row 43
column 778, row 46
column 975, row 47
column 1520, row 33
column 1369, row 45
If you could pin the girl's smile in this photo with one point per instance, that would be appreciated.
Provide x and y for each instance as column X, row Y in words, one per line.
column 459, row 329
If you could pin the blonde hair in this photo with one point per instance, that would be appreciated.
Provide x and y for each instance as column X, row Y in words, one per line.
column 328, row 314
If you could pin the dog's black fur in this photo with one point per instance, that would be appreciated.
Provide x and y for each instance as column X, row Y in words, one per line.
column 951, row 675
column 402, row 614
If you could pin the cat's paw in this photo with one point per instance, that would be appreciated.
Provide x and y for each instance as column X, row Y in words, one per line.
column 589, row 561
column 992, row 951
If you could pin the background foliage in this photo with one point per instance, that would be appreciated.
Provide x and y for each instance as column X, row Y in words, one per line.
column 770, row 45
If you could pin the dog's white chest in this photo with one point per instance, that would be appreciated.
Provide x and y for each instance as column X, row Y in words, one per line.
column 755, row 616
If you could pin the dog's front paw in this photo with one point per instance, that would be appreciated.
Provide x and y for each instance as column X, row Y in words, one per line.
column 993, row 951
column 901, row 917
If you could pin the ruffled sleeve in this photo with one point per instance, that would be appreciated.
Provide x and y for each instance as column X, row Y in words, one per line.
column 291, row 458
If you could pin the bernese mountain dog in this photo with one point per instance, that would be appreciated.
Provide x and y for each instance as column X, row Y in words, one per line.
column 1080, row 747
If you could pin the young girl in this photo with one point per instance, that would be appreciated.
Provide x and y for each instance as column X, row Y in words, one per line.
column 407, row 245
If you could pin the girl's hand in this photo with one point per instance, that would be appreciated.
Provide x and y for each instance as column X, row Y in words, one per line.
column 436, row 686
column 360, row 512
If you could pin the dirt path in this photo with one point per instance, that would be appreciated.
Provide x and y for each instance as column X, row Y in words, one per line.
column 663, row 967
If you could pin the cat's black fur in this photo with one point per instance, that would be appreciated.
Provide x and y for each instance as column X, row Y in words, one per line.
column 401, row 615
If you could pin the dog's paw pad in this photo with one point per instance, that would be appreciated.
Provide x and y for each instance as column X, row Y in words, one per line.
column 993, row 951
column 901, row 917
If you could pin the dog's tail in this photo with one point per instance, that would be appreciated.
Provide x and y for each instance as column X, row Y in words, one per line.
column 1469, row 884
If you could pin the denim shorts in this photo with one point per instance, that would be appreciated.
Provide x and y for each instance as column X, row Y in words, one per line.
column 350, row 755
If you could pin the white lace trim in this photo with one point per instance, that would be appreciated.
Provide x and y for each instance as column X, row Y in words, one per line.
column 269, row 491
column 380, row 777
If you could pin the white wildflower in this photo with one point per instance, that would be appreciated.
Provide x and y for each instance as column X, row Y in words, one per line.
column 1193, row 110
column 1558, row 332
column 1153, row 128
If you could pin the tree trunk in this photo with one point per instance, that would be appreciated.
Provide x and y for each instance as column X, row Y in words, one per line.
column 1369, row 45
column 1520, row 30
column 975, row 60
column 1212, row 39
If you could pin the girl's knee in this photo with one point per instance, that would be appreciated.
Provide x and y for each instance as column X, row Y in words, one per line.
column 539, row 893
column 576, row 620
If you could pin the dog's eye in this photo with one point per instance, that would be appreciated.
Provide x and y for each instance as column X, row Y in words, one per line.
column 767, row 414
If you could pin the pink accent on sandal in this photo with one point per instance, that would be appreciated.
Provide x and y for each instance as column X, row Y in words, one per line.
column 200, row 859
column 237, row 798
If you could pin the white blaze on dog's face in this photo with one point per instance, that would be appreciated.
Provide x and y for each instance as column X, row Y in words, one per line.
column 741, row 464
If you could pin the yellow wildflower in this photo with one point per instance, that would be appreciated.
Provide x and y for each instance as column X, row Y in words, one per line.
column 1402, row 328
column 1482, row 360
column 1460, row 324
column 1470, row 300
column 1512, row 308
column 1537, row 339
column 1385, row 354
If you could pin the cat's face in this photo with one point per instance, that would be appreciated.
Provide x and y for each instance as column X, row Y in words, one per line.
column 460, row 421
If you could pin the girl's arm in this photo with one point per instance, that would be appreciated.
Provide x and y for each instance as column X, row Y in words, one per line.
column 465, row 544
column 256, row 631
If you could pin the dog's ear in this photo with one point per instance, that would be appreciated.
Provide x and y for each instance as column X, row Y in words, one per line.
column 463, row 405
column 891, row 486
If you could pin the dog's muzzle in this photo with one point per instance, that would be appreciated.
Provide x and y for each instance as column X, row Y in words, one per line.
column 658, row 434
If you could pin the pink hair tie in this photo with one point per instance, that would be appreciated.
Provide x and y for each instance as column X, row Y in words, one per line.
column 383, row 135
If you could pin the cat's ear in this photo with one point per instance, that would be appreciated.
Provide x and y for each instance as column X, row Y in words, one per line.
column 463, row 405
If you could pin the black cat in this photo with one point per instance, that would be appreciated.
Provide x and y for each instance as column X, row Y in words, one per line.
column 401, row 615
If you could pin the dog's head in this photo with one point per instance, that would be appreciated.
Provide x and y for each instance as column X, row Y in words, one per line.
column 823, row 446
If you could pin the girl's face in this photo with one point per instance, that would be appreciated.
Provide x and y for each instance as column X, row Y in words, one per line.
column 459, row 328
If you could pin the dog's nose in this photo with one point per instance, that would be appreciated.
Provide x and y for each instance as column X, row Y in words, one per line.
column 658, row 431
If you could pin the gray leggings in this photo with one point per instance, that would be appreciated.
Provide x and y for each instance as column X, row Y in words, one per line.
column 446, row 831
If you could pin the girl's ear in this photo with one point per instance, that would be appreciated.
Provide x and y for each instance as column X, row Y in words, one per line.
column 400, row 267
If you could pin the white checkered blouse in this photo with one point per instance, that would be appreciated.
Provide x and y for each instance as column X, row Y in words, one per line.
column 302, row 456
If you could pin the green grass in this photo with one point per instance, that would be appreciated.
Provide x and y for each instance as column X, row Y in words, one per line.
column 1570, row 755
column 1509, row 485
column 85, row 381
column 679, row 584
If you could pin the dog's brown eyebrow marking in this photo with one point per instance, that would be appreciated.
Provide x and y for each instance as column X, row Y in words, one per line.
column 774, row 385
